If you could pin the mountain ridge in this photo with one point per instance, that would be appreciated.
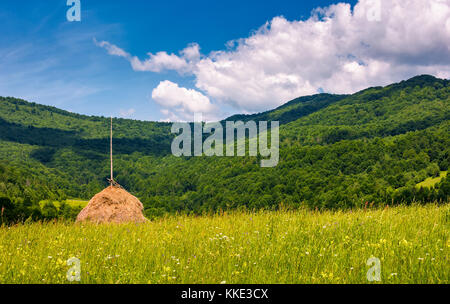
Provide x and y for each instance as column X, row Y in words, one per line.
column 336, row 151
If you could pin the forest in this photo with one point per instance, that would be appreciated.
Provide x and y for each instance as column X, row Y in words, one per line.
column 336, row 152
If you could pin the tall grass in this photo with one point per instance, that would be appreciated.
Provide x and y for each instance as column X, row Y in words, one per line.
column 266, row 247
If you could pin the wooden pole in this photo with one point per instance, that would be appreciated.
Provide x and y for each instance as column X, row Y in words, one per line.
column 110, row 153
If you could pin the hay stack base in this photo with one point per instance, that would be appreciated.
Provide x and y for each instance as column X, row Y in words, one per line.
column 113, row 205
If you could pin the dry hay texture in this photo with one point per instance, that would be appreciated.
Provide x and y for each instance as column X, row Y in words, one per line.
column 113, row 205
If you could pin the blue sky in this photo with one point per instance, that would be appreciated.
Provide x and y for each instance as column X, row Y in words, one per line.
column 46, row 59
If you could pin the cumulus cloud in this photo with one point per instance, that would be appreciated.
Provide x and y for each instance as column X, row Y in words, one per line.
column 338, row 50
column 156, row 62
column 181, row 104
column 159, row 62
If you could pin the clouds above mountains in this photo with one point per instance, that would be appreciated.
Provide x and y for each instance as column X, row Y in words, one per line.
column 338, row 50
column 181, row 103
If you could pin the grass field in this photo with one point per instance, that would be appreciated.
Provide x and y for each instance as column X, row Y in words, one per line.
column 77, row 203
column 267, row 247
column 71, row 202
column 432, row 181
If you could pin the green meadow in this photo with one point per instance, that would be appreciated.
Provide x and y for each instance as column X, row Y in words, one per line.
column 302, row 246
column 71, row 202
column 432, row 181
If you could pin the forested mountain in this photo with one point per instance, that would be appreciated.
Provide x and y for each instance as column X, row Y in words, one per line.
column 293, row 109
column 336, row 151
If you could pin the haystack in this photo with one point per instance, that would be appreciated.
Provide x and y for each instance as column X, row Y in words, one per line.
column 113, row 205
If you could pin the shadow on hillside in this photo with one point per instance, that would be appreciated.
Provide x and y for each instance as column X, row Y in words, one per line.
column 53, row 139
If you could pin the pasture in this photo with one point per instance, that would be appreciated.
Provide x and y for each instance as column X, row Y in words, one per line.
column 299, row 246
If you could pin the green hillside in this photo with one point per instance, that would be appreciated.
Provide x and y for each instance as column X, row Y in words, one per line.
column 336, row 151
column 293, row 109
column 431, row 181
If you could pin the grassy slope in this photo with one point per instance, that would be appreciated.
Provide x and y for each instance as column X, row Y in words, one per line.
column 431, row 181
column 267, row 247
column 71, row 203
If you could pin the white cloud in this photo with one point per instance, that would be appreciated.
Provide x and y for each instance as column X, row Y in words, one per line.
column 192, row 52
column 159, row 62
column 156, row 62
column 180, row 104
column 112, row 49
column 337, row 49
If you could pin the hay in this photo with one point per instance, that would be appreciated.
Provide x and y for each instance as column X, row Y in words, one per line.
column 113, row 205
